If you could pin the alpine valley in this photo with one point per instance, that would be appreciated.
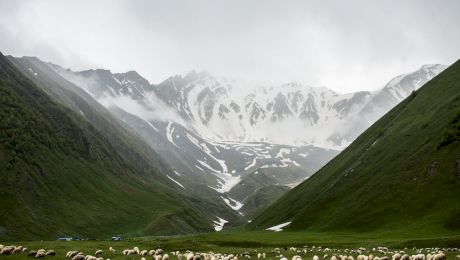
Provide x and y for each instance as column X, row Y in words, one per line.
column 186, row 147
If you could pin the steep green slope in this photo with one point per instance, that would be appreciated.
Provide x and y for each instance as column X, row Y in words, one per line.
column 261, row 199
column 403, row 173
column 60, row 176
column 122, row 136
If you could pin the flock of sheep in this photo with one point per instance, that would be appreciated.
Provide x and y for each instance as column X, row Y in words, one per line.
column 11, row 250
column 380, row 253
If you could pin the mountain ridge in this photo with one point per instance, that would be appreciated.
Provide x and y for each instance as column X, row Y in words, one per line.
column 400, row 174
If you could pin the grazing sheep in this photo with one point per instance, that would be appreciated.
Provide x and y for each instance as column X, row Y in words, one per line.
column 40, row 253
column 350, row 257
column 111, row 250
column 334, row 257
column 17, row 249
column 418, row 257
column 396, row 256
column 50, row 252
column 315, row 257
column 439, row 256
column 159, row 251
column 165, row 257
column 361, row 257
column 405, row 257
column 384, row 258
column 457, row 256
column 144, row 252
column 142, row 258
column 32, row 253
column 100, row 258
column 79, row 256
column 98, row 252
column 7, row 250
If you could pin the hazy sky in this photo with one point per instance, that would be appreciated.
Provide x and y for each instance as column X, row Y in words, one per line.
column 344, row 45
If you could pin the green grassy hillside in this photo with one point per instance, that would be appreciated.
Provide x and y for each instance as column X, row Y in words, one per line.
column 61, row 176
column 403, row 173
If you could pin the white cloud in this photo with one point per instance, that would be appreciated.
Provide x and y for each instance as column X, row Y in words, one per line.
column 345, row 45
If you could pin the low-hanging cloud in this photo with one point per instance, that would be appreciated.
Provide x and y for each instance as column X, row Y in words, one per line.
column 344, row 45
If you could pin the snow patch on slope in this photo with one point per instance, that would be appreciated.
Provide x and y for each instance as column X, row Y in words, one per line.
column 279, row 227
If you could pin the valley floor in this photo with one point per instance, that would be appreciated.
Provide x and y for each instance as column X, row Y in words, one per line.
column 238, row 242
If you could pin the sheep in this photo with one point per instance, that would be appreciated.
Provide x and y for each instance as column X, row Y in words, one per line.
column 396, row 256
column 334, row 257
column 457, row 256
column 361, row 257
column 78, row 256
column 32, row 253
column 350, row 257
column 159, row 251
column 315, row 257
column 90, row 257
column 142, row 258
column 17, row 249
column 71, row 254
column 98, row 252
column 50, row 252
column 418, row 257
column 100, row 258
column 40, row 253
column 7, row 250
column 165, row 257
column 384, row 258
column 439, row 256
column 111, row 250
column 144, row 253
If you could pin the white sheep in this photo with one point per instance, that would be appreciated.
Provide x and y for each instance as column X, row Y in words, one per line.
column 361, row 257
column 6, row 250
column 51, row 252
column 439, row 256
column 418, row 257
column 78, row 257
column 98, row 252
column 396, row 256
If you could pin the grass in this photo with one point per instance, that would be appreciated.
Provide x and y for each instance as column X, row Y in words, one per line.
column 260, row 241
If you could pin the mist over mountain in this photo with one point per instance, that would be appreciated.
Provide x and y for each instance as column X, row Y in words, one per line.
column 225, row 110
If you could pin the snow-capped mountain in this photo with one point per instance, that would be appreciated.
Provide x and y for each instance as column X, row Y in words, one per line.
column 216, row 132
column 223, row 110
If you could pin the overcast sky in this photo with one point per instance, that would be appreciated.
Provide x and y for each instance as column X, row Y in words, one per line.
column 344, row 45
